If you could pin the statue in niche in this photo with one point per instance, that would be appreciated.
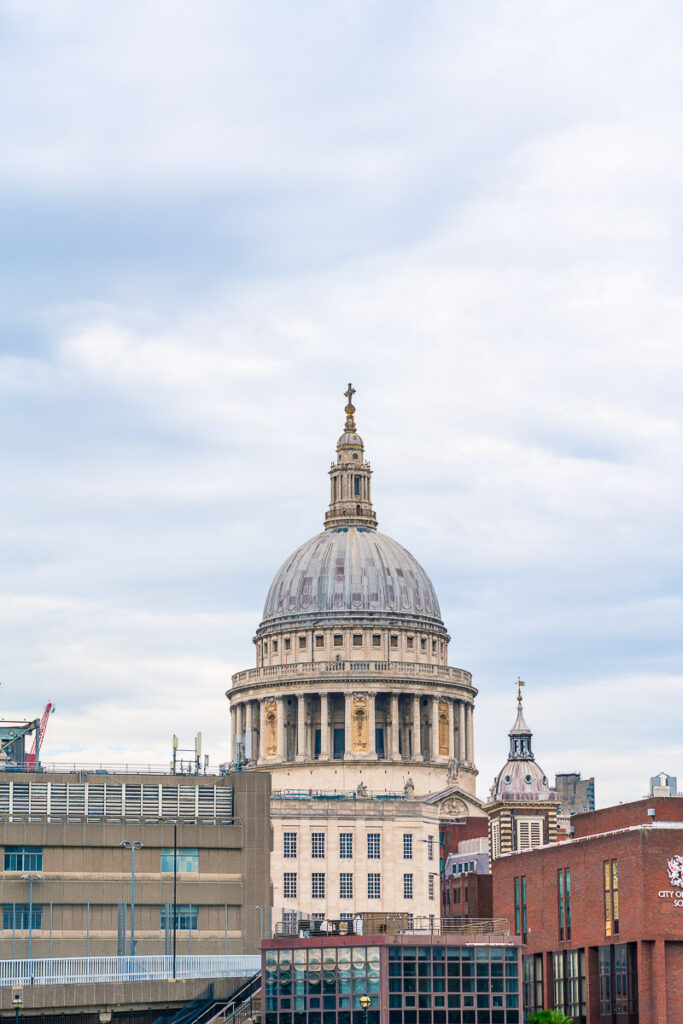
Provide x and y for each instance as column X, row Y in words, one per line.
column 409, row 789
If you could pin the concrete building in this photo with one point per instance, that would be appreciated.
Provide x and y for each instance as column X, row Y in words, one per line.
column 406, row 978
column 574, row 794
column 353, row 708
column 601, row 916
column 522, row 808
column 66, row 878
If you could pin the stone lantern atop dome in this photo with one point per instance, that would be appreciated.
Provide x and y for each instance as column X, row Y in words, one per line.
column 350, row 502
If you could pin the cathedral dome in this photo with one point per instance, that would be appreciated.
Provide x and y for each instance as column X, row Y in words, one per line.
column 352, row 569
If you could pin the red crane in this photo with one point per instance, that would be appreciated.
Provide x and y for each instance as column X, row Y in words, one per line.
column 34, row 753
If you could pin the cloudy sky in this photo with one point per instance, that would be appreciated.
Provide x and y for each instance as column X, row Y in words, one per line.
column 213, row 215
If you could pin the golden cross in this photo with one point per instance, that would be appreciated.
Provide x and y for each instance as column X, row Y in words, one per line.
column 520, row 684
column 350, row 409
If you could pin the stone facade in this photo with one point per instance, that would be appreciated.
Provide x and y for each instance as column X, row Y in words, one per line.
column 352, row 694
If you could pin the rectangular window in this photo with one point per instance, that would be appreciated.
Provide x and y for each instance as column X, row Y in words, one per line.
column 289, row 845
column 374, row 885
column 356, row 485
column 409, row 641
column 407, row 887
column 423, row 643
column 318, row 885
column 289, row 889
column 560, row 902
column 611, row 894
column 495, row 839
column 18, row 916
column 288, row 643
column 319, row 640
column 430, row 847
column 302, row 642
column 524, row 921
column 529, row 833
column 346, row 885
column 518, row 907
column 430, row 887
column 338, row 639
column 569, row 982
column 274, row 646
column 407, row 845
column 532, row 983
column 433, row 646
column 345, row 845
column 317, row 845
column 187, row 860
column 357, row 639
column 23, row 858
column 376, row 640
column 373, row 846
column 187, row 917
column 394, row 640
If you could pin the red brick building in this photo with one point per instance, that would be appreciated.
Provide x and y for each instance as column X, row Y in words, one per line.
column 601, row 916
column 467, row 895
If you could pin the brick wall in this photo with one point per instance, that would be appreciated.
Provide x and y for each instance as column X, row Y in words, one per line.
column 669, row 808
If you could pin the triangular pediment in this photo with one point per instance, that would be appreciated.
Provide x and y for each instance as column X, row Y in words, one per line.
column 453, row 802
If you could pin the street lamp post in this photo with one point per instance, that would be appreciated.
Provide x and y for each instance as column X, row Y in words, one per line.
column 365, row 1002
column 132, row 846
column 260, row 907
column 31, row 876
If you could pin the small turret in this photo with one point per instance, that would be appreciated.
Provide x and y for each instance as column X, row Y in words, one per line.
column 350, row 501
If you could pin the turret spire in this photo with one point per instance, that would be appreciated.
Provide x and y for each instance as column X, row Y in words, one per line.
column 350, row 502
column 520, row 734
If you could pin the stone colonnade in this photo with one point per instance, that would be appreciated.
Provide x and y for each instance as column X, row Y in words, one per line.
column 352, row 726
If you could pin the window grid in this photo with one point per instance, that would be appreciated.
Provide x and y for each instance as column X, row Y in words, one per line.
column 318, row 885
column 187, row 860
column 187, row 917
column 374, row 885
column 22, row 916
column 407, row 845
column 346, row 885
column 430, row 887
column 289, row 845
column 430, row 847
column 318, row 845
column 23, row 858
column 289, row 889
column 408, row 886
column 374, row 850
column 346, row 845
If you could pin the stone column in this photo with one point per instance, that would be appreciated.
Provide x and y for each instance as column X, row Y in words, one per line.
column 435, row 729
column 261, row 730
column 251, row 729
column 281, row 749
column 347, row 724
column 462, row 753
column 393, row 744
column 372, row 719
column 451, row 729
column 469, row 718
column 233, row 732
column 300, row 727
column 243, row 727
column 417, row 740
column 324, row 728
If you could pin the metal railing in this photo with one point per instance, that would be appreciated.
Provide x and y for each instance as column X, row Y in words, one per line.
column 80, row 970
column 315, row 669
column 299, row 924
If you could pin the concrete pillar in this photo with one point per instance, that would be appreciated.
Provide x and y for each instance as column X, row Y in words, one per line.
column 281, row 749
column 435, row 729
column 261, row 730
column 324, row 728
column 462, row 753
column 417, row 741
column 372, row 719
column 393, row 742
column 347, row 724
column 300, row 727
column 469, row 719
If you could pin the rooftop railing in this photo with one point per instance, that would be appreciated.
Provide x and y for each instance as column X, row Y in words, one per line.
column 80, row 970
column 380, row 669
column 296, row 924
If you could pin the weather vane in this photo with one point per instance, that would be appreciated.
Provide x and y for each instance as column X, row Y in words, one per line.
column 350, row 408
column 520, row 684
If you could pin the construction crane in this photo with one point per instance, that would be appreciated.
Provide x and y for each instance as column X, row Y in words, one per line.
column 33, row 756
